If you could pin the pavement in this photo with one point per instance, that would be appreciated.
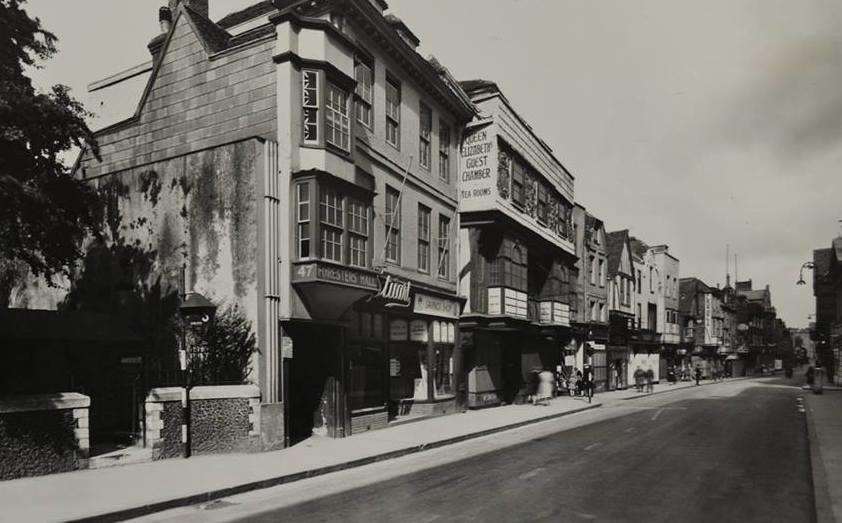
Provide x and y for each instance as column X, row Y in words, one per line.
column 824, row 413
column 112, row 494
column 738, row 451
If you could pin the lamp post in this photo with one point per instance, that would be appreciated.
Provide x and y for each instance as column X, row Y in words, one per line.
column 805, row 265
column 196, row 312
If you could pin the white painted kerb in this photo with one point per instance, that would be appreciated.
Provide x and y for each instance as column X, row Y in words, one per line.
column 218, row 392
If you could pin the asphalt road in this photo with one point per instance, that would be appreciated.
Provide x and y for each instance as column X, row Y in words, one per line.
column 725, row 454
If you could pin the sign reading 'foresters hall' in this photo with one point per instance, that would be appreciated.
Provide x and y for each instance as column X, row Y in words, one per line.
column 330, row 273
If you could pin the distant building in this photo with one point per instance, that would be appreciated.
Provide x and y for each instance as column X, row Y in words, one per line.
column 621, row 292
column 827, row 288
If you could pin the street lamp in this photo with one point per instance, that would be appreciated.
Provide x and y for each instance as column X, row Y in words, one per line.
column 196, row 312
column 806, row 265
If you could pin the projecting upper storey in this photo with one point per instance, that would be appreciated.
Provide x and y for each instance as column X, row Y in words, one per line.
column 506, row 168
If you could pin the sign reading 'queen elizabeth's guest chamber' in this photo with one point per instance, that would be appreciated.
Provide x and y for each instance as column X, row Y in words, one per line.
column 478, row 171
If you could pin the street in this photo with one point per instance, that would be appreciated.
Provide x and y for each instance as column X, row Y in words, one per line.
column 735, row 451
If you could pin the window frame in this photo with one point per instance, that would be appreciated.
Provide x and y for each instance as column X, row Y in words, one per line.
column 444, row 150
column 335, row 121
column 329, row 210
column 425, row 218
column 425, row 136
column 393, row 110
column 361, row 100
column 303, row 224
column 358, row 234
column 311, row 105
column 444, row 242
column 393, row 224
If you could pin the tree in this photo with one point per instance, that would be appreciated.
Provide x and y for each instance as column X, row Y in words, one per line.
column 222, row 353
column 45, row 212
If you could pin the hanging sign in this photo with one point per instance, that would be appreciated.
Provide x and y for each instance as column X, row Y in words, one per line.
column 418, row 331
column 395, row 292
column 432, row 306
column 398, row 330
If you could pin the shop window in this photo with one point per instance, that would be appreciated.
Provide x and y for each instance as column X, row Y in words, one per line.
column 302, row 232
column 393, row 225
column 337, row 119
column 364, row 93
column 424, row 238
column 393, row 112
column 444, row 247
column 425, row 135
column 444, row 152
column 310, row 106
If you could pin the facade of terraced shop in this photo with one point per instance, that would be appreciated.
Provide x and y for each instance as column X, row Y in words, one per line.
column 516, row 252
column 621, row 280
column 590, row 314
column 299, row 160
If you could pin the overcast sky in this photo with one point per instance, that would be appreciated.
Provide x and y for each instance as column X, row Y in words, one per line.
column 691, row 123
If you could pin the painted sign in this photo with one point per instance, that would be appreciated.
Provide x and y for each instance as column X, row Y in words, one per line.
column 478, row 171
column 396, row 292
column 315, row 271
column 432, row 306
column 418, row 331
column 398, row 330
column 708, row 319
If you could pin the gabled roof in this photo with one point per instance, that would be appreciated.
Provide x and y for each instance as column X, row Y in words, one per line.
column 688, row 289
column 616, row 241
column 592, row 222
column 213, row 37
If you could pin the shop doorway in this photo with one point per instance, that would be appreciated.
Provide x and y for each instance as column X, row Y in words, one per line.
column 315, row 383
column 512, row 372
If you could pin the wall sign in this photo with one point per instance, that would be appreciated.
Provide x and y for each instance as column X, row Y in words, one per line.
column 396, row 292
column 433, row 306
column 478, row 170
column 398, row 330
column 418, row 331
column 315, row 271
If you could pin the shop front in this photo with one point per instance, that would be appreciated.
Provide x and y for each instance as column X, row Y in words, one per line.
column 423, row 360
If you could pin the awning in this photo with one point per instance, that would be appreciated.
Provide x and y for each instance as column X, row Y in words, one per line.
column 732, row 357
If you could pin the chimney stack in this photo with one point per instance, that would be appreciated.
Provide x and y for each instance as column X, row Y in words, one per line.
column 199, row 6
column 165, row 19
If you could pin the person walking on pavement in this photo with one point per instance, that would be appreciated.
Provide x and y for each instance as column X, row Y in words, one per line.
column 698, row 374
column 638, row 380
column 650, row 380
column 587, row 381
column 810, row 375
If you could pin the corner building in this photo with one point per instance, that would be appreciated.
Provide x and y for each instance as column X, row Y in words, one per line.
column 303, row 157
column 516, row 251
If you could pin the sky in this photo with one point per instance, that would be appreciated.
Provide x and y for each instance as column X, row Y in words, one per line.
column 693, row 124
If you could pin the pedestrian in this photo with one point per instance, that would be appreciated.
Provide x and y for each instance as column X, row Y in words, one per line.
column 578, row 382
column 588, row 380
column 671, row 375
column 810, row 375
column 638, row 380
column 650, row 380
column 698, row 374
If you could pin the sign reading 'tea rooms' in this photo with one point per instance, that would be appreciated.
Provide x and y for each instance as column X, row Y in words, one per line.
column 478, row 171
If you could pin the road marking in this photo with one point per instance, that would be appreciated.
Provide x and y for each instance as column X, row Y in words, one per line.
column 630, row 429
column 531, row 473
column 655, row 416
column 592, row 445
